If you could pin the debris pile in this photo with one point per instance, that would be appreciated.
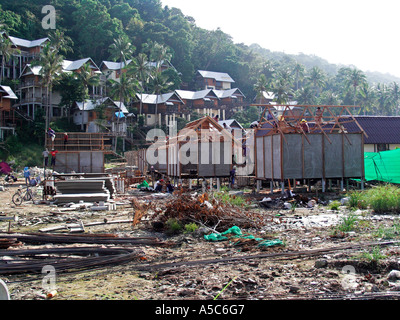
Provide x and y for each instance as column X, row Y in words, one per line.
column 212, row 213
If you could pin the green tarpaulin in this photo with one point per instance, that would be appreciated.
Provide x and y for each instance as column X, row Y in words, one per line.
column 383, row 166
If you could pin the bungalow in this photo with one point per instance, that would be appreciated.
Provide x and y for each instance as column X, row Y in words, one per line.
column 154, row 107
column 213, row 80
column 100, row 115
column 111, row 70
column 6, row 97
column 204, row 102
column 32, row 92
column 28, row 51
column 231, row 101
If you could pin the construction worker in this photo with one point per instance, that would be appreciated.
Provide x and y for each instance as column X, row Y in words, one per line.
column 304, row 126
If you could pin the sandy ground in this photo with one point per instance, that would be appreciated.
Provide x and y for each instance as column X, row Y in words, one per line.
column 255, row 275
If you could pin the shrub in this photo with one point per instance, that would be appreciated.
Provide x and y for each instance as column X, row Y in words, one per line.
column 334, row 205
column 174, row 226
column 191, row 227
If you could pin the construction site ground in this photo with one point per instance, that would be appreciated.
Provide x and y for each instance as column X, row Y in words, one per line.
column 314, row 261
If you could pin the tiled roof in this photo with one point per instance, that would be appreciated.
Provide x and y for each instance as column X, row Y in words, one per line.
column 379, row 129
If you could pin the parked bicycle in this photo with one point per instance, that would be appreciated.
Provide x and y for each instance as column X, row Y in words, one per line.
column 23, row 195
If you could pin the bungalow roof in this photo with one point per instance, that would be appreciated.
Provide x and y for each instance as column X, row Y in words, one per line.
column 27, row 43
column 9, row 94
column 218, row 76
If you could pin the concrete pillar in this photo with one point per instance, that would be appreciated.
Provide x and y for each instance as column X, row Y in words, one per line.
column 258, row 185
column 282, row 187
column 341, row 185
column 190, row 184
column 323, row 185
column 218, row 184
column 271, row 187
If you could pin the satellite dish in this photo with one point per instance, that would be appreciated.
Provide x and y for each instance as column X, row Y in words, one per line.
column 4, row 294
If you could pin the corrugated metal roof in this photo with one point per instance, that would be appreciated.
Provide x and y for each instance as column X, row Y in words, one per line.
column 157, row 99
column 115, row 65
column 380, row 129
column 195, row 95
column 91, row 105
column 218, row 76
column 27, row 43
column 232, row 93
column 9, row 93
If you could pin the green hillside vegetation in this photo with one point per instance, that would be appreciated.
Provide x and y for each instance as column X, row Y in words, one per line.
column 155, row 32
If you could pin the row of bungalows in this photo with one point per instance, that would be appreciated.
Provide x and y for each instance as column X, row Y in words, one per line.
column 160, row 109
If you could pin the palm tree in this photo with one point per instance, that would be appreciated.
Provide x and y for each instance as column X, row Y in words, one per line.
column 367, row 98
column 51, row 64
column 298, row 72
column 142, row 72
column 260, row 87
column 61, row 42
column 160, row 84
column 282, row 91
column 305, row 96
column 123, row 50
column 126, row 89
column 355, row 78
column 394, row 90
column 317, row 78
column 159, row 54
column 383, row 99
column 87, row 78
column 7, row 52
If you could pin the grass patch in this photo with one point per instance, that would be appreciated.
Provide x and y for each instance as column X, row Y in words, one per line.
column 334, row 205
column 381, row 199
column 226, row 198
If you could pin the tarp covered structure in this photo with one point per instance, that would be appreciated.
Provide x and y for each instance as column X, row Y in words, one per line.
column 383, row 166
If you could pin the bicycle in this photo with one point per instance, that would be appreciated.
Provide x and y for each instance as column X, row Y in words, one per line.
column 22, row 196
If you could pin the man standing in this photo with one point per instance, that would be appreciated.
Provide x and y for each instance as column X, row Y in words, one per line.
column 46, row 157
column 53, row 157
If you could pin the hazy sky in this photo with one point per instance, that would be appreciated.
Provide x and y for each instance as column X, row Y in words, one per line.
column 362, row 33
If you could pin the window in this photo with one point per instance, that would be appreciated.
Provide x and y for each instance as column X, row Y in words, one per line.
column 382, row 147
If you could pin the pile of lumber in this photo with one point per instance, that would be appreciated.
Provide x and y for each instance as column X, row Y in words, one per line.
column 87, row 190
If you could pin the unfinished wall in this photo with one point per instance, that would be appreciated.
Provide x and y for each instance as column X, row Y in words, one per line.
column 80, row 162
column 295, row 157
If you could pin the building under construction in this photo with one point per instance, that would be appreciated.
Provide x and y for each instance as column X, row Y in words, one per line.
column 308, row 143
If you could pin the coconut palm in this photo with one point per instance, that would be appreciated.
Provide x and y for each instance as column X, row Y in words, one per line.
column 298, row 73
column 159, row 83
column 394, row 91
column 142, row 73
column 367, row 98
column 51, row 64
column 317, row 78
column 355, row 78
column 7, row 52
column 282, row 91
column 123, row 50
column 87, row 79
column 260, row 87
column 61, row 42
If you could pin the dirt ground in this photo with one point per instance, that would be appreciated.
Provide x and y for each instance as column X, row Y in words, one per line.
column 313, row 262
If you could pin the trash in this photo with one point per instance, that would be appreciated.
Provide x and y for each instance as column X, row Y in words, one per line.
column 287, row 205
column 238, row 237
